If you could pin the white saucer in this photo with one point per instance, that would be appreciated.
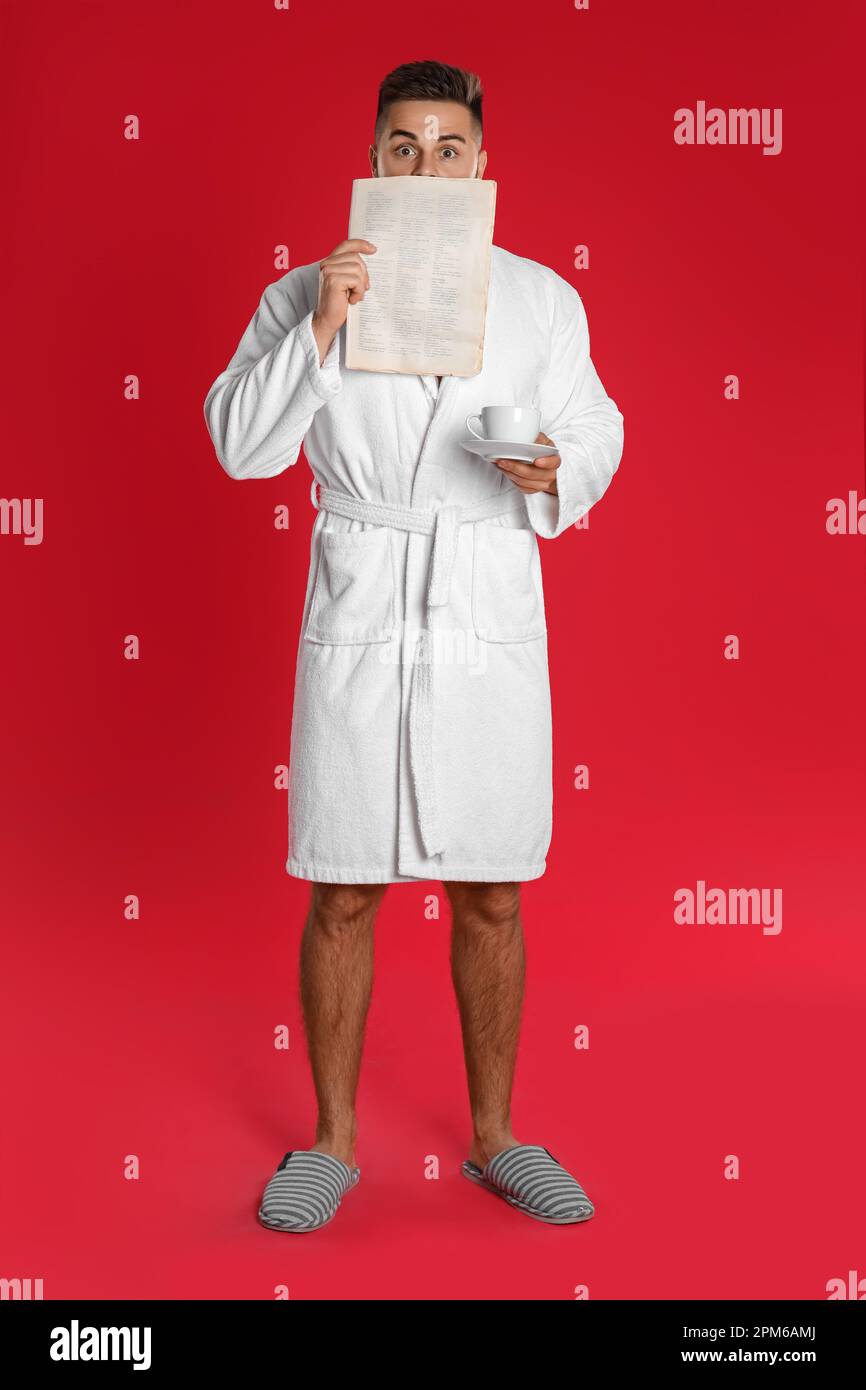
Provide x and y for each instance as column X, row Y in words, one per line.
column 505, row 449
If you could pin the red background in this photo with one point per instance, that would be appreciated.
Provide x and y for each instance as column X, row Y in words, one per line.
column 155, row 777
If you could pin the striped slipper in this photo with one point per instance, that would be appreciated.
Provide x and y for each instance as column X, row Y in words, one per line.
column 531, row 1179
column 306, row 1191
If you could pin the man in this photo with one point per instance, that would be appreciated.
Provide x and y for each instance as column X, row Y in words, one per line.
column 408, row 763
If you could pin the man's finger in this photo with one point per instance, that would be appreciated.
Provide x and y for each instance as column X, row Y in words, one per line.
column 530, row 487
column 348, row 261
column 343, row 258
column 530, row 491
column 543, row 468
column 355, row 243
column 531, row 484
column 345, row 274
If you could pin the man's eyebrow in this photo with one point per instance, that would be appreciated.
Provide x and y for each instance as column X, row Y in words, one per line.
column 412, row 136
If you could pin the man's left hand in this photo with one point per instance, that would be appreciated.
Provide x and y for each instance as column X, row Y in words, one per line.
column 539, row 476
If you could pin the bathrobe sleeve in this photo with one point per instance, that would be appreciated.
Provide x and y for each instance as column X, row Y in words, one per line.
column 580, row 418
column 259, row 409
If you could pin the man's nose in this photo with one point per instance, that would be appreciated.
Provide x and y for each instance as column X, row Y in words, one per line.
column 428, row 165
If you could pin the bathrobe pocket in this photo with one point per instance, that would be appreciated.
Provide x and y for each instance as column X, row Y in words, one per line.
column 353, row 598
column 507, row 593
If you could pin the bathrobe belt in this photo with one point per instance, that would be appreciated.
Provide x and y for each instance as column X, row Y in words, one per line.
column 443, row 525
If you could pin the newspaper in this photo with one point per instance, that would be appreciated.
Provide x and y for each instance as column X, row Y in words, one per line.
column 426, row 307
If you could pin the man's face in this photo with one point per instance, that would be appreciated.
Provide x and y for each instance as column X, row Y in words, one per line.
column 429, row 138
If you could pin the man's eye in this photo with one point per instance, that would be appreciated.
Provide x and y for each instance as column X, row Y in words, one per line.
column 449, row 149
column 401, row 148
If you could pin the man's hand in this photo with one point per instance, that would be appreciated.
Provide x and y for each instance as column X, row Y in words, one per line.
column 539, row 476
column 343, row 280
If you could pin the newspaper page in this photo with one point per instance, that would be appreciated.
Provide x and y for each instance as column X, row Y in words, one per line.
column 426, row 307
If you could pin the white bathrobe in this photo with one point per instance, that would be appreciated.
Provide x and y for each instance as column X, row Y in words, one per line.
column 421, row 729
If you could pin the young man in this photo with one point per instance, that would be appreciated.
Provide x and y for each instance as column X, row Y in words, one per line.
column 408, row 763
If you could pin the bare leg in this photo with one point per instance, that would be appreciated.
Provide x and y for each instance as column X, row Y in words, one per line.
column 488, row 969
column 336, row 985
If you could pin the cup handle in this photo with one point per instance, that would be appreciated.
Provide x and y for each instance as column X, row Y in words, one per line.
column 470, row 425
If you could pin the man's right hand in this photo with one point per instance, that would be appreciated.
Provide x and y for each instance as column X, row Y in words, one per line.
column 343, row 280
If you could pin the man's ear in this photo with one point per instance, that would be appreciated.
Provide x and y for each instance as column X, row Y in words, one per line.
column 372, row 157
column 482, row 163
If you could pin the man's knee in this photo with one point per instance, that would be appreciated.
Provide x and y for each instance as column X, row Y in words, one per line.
column 339, row 905
column 484, row 904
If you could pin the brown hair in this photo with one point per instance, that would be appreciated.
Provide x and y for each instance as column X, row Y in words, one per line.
column 430, row 81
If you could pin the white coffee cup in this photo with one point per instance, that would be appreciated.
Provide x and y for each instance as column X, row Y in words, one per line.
column 518, row 424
